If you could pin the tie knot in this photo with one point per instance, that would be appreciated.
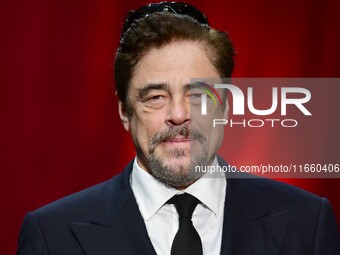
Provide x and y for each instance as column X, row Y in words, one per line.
column 185, row 204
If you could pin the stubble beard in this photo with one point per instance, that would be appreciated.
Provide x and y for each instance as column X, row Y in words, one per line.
column 177, row 175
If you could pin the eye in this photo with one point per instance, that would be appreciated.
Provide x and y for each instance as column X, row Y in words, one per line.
column 196, row 95
column 156, row 98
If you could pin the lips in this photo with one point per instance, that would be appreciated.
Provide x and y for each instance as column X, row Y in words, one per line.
column 178, row 139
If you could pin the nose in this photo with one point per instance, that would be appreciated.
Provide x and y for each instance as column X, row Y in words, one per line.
column 178, row 113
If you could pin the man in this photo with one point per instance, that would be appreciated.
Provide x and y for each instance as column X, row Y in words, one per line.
column 159, row 204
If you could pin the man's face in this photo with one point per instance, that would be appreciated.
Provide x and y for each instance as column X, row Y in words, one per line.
column 168, row 141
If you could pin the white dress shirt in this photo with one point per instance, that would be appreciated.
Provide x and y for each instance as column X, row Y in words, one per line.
column 161, row 219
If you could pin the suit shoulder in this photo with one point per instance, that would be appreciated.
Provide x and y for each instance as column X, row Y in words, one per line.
column 77, row 203
column 284, row 194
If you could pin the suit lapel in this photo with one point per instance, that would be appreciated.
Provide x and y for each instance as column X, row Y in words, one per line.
column 250, row 226
column 116, row 225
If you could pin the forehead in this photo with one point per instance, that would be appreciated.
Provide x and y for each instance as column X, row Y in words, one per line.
column 175, row 63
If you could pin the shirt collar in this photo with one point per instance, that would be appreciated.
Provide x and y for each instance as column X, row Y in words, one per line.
column 210, row 189
column 151, row 195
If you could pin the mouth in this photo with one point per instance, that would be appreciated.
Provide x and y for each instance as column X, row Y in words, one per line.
column 178, row 139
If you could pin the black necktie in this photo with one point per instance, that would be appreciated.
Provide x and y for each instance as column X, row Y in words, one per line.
column 186, row 241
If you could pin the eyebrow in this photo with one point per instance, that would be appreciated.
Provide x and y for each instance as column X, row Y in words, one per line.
column 195, row 85
column 141, row 93
column 187, row 87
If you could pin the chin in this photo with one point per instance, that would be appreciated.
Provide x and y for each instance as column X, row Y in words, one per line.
column 178, row 163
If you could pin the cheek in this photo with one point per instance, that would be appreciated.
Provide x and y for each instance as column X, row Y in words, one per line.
column 204, row 123
column 145, row 125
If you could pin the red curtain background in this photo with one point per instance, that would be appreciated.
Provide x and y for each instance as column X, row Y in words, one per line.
column 60, row 130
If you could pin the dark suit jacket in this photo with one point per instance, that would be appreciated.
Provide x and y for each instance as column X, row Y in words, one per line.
column 261, row 217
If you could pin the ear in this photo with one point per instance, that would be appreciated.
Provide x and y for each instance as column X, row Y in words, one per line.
column 123, row 115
